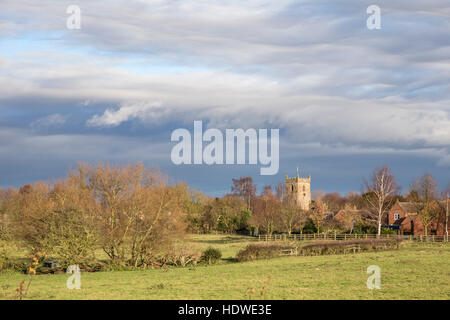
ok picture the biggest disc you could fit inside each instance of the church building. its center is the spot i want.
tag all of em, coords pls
(299, 189)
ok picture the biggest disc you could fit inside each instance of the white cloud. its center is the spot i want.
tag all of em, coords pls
(144, 111)
(53, 120)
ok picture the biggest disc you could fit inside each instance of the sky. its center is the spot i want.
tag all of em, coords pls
(345, 98)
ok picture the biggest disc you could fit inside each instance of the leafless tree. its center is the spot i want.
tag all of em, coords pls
(445, 195)
(244, 188)
(423, 192)
(319, 209)
(291, 216)
(280, 190)
(266, 213)
(380, 190)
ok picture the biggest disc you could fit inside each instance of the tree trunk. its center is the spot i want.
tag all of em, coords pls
(380, 213)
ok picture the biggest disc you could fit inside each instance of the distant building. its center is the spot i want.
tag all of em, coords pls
(299, 189)
(356, 214)
(406, 218)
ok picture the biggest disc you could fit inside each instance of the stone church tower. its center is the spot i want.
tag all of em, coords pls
(299, 189)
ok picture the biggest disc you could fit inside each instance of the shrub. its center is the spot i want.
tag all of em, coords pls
(180, 257)
(362, 227)
(264, 251)
(388, 231)
(211, 255)
(4, 232)
(309, 226)
(69, 238)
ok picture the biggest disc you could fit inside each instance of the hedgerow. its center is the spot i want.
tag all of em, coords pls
(264, 251)
(352, 246)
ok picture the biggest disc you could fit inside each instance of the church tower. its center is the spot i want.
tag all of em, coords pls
(299, 189)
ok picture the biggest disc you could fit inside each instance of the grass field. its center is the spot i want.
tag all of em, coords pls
(415, 271)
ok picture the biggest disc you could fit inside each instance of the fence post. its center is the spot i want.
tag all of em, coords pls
(345, 236)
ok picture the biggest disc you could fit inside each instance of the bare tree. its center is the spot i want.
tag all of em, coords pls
(266, 213)
(280, 190)
(291, 216)
(334, 201)
(319, 209)
(267, 191)
(244, 188)
(348, 218)
(445, 194)
(424, 192)
(380, 190)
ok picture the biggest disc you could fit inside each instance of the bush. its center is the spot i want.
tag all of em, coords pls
(4, 232)
(180, 257)
(388, 231)
(211, 255)
(362, 227)
(69, 238)
(339, 247)
(264, 251)
(309, 227)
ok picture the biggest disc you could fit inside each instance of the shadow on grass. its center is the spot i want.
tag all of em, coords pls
(230, 260)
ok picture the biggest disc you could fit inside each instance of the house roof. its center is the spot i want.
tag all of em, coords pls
(408, 207)
(355, 212)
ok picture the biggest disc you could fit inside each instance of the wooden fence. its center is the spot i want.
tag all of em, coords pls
(332, 236)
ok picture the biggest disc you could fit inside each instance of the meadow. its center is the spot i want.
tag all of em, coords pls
(415, 271)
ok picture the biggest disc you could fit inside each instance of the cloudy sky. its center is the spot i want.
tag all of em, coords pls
(345, 98)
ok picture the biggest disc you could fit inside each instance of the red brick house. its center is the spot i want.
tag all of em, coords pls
(406, 218)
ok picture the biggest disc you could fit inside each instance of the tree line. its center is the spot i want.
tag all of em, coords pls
(137, 218)
(273, 211)
(130, 212)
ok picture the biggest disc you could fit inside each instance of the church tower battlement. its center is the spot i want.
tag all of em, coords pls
(299, 189)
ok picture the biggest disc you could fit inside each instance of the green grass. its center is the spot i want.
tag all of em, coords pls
(416, 271)
(228, 244)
